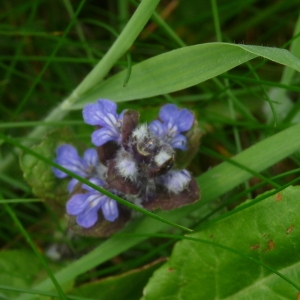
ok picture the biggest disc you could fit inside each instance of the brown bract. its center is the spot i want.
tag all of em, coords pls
(167, 201)
(130, 122)
(115, 181)
(102, 228)
(107, 152)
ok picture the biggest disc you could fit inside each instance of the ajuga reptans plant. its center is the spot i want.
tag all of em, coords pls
(131, 160)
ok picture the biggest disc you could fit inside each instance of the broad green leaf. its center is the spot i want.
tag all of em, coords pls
(180, 69)
(122, 287)
(39, 175)
(267, 231)
(18, 268)
(213, 184)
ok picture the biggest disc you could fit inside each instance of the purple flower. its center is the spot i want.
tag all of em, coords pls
(173, 122)
(86, 206)
(103, 114)
(175, 181)
(67, 157)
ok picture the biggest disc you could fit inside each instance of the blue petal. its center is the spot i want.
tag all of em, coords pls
(168, 113)
(66, 151)
(185, 120)
(179, 142)
(95, 200)
(158, 128)
(181, 118)
(64, 154)
(58, 173)
(121, 115)
(102, 113)
(104, 135)
(110, 210)
(96, 181)
(92, 114)
(107, 106)
(77, 204)
(77, 167)
(110, 121)
(68, 158)
(109, 113)
(72, 184)
(91, 157)
(88, 218)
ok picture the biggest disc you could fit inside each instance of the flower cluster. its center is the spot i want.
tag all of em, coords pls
(85, 205)
(131, 160)
(104, 115)
(172, 124)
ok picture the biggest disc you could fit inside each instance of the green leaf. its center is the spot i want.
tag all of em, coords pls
(122, 287)
(180, 69)
(18, 269)
(267, 231)
(39, 174)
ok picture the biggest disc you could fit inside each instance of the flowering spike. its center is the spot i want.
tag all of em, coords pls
(138, 163)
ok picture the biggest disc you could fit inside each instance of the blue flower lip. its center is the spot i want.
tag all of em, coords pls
(173, 122)
(103, 114)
